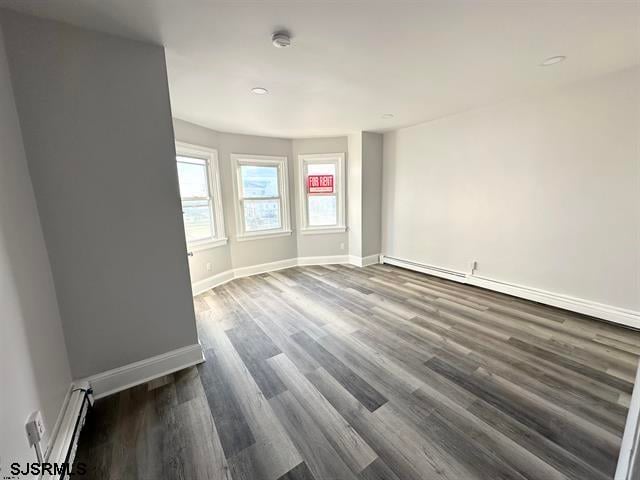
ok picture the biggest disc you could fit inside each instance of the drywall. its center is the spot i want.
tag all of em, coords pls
(96, 122)
(354, 194)
(34, 372)
(326, 243)
(542, 192)
(364, 193)
(251, 252)
(371, 193)
(219, 258)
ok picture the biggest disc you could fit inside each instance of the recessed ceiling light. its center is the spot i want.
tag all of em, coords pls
(553, 60)
(259, 91)
(386, 116)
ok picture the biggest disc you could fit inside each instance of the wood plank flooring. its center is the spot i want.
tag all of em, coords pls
(337, 372)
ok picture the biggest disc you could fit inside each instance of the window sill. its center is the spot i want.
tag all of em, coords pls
(322, 230)
(198, 247)
(261, 235)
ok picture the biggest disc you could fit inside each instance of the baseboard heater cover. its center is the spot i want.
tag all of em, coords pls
(62, 450)
(628, 318)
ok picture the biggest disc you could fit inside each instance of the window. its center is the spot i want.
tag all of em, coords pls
(321, 183)
(262, 208)
(199, 180)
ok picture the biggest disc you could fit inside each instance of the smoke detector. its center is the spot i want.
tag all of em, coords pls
(281, 40)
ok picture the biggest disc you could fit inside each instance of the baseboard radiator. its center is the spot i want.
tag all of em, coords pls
(62, 450)
(628, 318)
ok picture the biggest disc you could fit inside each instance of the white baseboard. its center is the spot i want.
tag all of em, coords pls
(264, 267)
(51, 436)
(610, 313)
(323, 260)
(127, 376)
(210, 282)
(364, 261)
(223, 277)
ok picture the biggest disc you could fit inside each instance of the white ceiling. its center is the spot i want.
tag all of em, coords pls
(352, 61)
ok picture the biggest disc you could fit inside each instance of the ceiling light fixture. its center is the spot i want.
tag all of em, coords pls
(281, 39)
(387, 116)
(553, 60)
(259, 91)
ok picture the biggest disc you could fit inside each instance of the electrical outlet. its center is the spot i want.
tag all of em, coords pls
(209, 267)
(35, 427)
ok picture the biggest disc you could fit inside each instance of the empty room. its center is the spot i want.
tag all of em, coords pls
(320, 240)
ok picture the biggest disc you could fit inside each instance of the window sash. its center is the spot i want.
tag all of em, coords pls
(244, 232)
(321, 225)
(243, 198)
(256, 164)
(337, 160)
(206, 157)
(187, 159)
(261, 200)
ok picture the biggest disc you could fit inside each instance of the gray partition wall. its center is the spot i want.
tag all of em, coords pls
(96, 122)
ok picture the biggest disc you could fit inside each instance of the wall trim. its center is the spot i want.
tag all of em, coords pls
(323, 260)
(57, 426)
(610, 313)
(127, 376)
(208, 283)
(264, 267)
(364, 261)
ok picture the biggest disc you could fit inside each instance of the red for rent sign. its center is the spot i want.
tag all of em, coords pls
(320, 183)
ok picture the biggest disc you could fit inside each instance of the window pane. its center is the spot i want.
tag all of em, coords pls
(261, 215)
(259, 181)
(322, 210)
(197, 220)
(321, 169)
(192, 178)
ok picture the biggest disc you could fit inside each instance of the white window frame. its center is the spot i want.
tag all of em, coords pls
(210, 156)
(339, 187)
(238, 160)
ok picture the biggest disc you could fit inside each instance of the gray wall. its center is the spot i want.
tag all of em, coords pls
(371, 193)
(354, 194)
(255, 252)
(34, 372)
(96, 123)
(364, 172)
(237, 254)
(542, 192)
(320, 244)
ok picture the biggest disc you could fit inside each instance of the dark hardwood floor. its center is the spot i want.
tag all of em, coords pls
(338, 372)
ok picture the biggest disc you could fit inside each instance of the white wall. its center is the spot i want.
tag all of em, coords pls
(542, 192)
(96, 122)
(34, 372)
